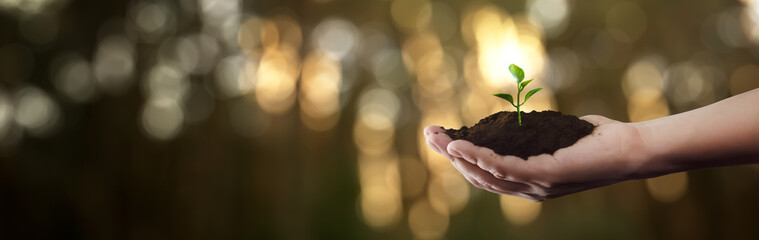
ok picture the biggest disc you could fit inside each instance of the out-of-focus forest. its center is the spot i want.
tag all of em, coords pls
(302, 119)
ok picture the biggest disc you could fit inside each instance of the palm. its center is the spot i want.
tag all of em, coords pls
(596, 160)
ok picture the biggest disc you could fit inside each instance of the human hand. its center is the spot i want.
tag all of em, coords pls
(614, 152)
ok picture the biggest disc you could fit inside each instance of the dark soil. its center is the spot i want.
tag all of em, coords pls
(541, 132)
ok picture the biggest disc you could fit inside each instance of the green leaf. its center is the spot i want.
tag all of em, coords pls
(524, 84)
(508, 97)
(530, 93)
(517, 72)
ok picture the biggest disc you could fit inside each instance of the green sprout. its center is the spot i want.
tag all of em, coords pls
(518, 73)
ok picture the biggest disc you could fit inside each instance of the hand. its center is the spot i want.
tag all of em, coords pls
(613, 153)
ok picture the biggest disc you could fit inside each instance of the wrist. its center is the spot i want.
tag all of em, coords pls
(651, 160)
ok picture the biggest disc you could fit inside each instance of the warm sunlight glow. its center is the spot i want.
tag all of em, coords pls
(519, 211)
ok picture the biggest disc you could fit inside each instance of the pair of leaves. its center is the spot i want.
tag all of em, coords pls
(509, 98)
(518, 73)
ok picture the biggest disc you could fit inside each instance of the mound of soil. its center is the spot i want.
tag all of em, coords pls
(541, 132)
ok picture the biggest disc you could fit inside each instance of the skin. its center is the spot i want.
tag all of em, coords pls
(721, 134)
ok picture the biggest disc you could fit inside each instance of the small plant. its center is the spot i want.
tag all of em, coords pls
(518, 73)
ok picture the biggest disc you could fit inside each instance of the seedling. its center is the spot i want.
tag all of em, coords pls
(518, 74)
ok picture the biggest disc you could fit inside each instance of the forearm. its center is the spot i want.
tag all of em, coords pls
(721, 134)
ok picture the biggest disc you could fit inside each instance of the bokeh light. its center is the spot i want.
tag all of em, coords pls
(692, 84)
(162, 118)
(276, 79)
(448, 192)
(152, 21)
(668, 188)
(729, 28)
(320, 91)
(6, 115)
(426, 222)
(643, 84)
(249, 33)
(36, 112)
(375, 127)
(167, 82)
(502, 40)
(749, 20)
(336, 37)
(552, 15)
(30, 7)
(647, 104)
(114, 64)
(418, 46)
(380, 196)
(646, 73)
(73, 78)
(221, 18)
(236, 75)
(519, 211)
(197, 53)
(436, 76)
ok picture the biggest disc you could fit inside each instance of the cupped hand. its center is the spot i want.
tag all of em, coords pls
(613, 153)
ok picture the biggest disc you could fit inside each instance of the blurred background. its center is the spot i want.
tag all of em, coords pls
(302, 119)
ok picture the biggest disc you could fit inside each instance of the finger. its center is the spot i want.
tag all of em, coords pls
(464, 172)
(438, 140)
(597, 120)
(433, 129)
(509, 168)
(496, 188)
(471, 180)
(485, 180)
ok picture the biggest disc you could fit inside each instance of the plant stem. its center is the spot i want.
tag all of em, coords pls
(519, 113)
